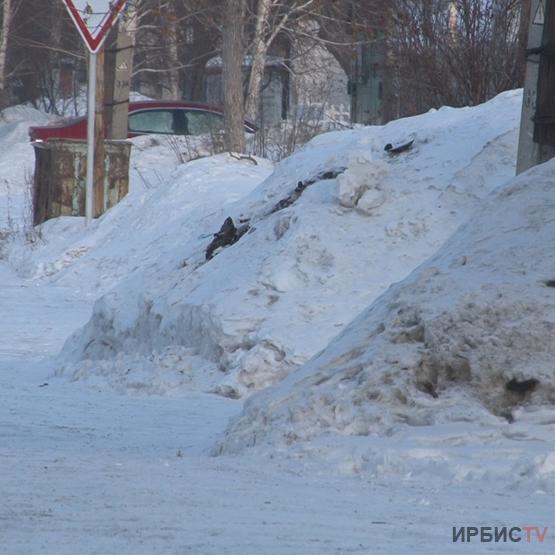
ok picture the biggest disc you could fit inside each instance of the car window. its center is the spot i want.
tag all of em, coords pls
(200, 123)
(152, 121)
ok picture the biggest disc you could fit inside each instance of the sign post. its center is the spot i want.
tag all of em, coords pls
(93, 19)
(530, 150)
(89, 187)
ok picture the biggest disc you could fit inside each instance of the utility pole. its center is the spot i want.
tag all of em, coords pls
(117, 64)
(537, 127)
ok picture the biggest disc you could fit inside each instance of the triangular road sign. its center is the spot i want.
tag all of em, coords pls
(94, 19)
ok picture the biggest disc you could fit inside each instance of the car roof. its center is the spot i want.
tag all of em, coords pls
(146, 104)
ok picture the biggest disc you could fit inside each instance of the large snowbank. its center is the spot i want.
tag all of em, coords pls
(455, 362)
(145, 235)
(310, 262)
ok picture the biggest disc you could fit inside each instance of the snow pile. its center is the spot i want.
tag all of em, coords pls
(459, 354)
(145, 235)
(326, 234)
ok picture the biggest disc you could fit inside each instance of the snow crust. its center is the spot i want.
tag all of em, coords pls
(262, 307)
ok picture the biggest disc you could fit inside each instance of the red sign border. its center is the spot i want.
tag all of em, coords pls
(94, 43)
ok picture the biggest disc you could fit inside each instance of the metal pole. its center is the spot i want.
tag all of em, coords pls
(89, 192)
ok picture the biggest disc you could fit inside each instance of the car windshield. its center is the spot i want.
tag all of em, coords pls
(152, 121)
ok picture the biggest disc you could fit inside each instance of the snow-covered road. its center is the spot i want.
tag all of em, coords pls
(93, 472)
(85, 471)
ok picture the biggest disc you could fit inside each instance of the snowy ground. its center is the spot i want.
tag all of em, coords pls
(86, 469)
(96, 473)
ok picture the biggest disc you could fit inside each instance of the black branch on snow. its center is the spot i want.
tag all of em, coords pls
(229, 233)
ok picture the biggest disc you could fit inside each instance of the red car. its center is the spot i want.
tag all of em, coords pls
(148, 117)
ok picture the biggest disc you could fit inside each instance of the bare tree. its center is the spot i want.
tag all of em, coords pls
(171, 42)
(455, 52)
(233, 52)
(272, 17)
(6, 23)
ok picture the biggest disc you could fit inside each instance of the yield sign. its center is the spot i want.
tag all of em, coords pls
(94, 19)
